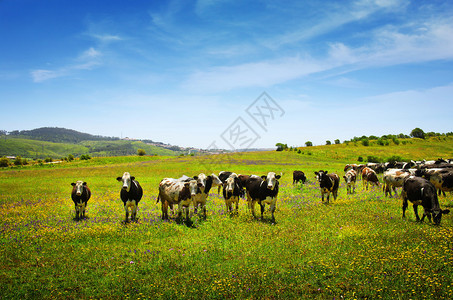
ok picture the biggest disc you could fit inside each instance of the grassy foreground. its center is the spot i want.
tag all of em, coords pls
(357, 247)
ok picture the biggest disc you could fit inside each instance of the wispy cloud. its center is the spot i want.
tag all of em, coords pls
(87, 60)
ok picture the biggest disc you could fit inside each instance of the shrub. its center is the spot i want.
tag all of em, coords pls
(365, 142)
(308, 144)
(395, 140)
(395, 158)
(48, 159)
(141, 152)
(4, 162)
(328, 142)
(18, 161)
(360, 159)
(337, 141)
(373, 159)
(85, 157)
(70, 157)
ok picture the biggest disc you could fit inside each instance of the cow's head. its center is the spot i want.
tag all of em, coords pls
(126, 180)
(231, 182)
(79, 187)
(320, 175)
(271, 180)
(193, 186)
(437, 215)
(201, 180)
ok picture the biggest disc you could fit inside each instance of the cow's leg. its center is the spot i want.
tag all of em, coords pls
(322, 196)
(327, 198)
(404, 207)
(164, 209)
(335, 194)
(203, 207)
(127, 212)
(252, 207)
(416, 212)
(262, 210)
(76, 208)
(134, 210)
(237, 204)
(272, 209)
(186, 210)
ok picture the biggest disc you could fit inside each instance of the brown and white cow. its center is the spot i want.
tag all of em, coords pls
(263, 190)
(173, 191)
(350, 178)
(328, 183)
(369, 176)
(392, 179)
(80, 195)
(131, 194)
(420, 191)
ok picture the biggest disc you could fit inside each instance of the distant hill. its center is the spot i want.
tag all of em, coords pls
(57, 142)
(59, 135)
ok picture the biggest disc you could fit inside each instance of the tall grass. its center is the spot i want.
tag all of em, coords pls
(357, 247)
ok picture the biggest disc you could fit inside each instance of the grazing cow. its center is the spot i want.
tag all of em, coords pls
(131, 194)
(80, 195)
(205, 184)
(376, 167)
(350, 177)
(420, 191)
(263, 190)
(299, 176)
(243, 179)
(392, 179)
(173, 191)
(232, 190)
(351, 167)
(328, 183)
(369, 176)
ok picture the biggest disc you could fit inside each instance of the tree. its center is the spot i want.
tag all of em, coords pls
(281, 146)
(337, 141)
(4, 162)
(328, 142)
(418, 133)
(365, 142)
(308, 144)
(141, 152)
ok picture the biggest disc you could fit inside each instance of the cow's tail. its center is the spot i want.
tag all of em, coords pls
(158, 199)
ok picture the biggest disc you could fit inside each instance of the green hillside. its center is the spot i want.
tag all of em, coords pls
(15, 146)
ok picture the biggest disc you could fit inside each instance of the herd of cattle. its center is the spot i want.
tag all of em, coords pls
(420, 183)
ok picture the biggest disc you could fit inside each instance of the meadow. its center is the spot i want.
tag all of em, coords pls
(357, 247)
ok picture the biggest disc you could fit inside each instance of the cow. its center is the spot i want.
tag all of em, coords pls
(80, 195)
(299, 176)
(392, 179)
(173, 191)
(420, 191)
(348, 167)
(376, 167)
(328, 183)
(263, 190)
(437, 176)
(369, 176)
(232, 190)
(131, 194)
(350, 178)
(243, 179)
(223, 175)
(205, 183)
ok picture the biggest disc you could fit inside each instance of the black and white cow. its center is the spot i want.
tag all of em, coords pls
(420, 191)
(263, 190)
(131, 194)
(328, 183)
(80, 195)
(223, 175)
(205, 183)
(299, 176)
(232, 190)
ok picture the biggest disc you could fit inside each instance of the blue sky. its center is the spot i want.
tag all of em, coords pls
(185, 72)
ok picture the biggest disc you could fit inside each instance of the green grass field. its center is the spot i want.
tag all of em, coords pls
(357, 247)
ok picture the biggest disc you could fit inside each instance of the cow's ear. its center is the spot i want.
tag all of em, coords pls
(195, 177)
(119, 178)
(445, 211)
(278, 176)
(84, 183)
(316, 173)
(326, 172)
(264, 177)
(132, 178)
(73, 184)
